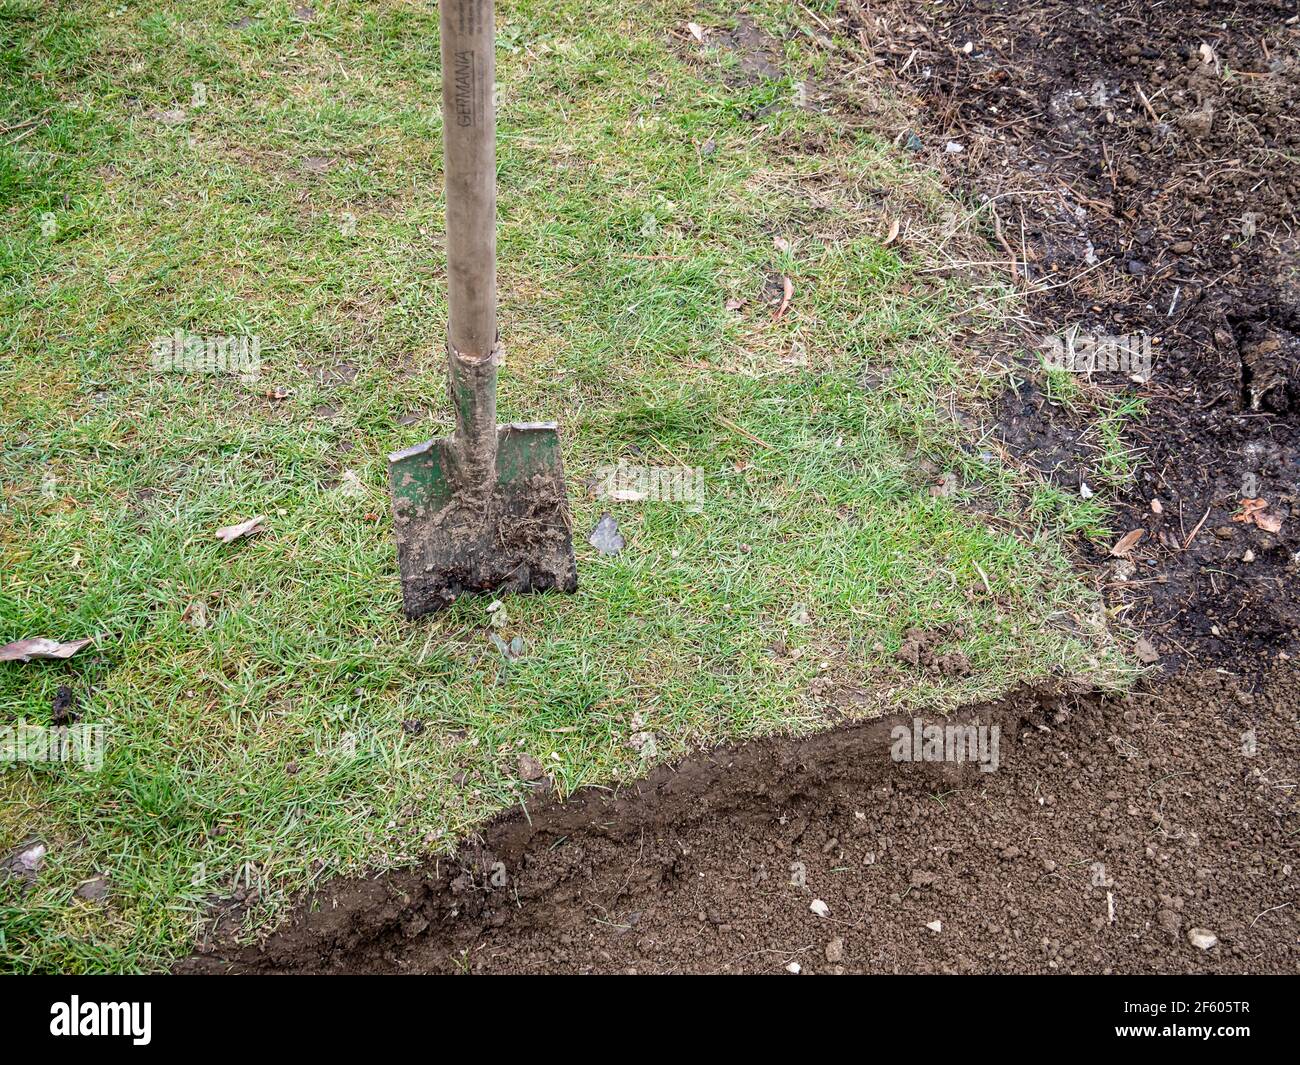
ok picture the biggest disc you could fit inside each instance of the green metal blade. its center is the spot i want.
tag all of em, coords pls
(516, 539)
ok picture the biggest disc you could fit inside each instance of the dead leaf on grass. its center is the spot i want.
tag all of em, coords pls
(195, 615)
(40, 647)
(780, 244)
(1127, 542)
(231, 533)
(894, 227)
(787, 294)
(697, 31)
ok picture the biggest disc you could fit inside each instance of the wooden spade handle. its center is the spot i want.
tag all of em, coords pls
(470, 161)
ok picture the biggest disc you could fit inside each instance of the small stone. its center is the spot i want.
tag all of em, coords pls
(645, 742)
(530, 768)
(26, 863)
(819, 908)
(794, 968)
(945, 487)
(605, 537)
(1202, 938)
(61, 709)
(835, 951)
(95, 889)
(934, 926)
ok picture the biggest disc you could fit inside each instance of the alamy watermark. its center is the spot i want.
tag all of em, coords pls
(133, 1020)
(626, 483)
(80, 743)
(183, 352)
(947, 743)
(1079, 352)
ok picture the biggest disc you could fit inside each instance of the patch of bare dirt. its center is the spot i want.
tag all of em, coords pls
(1108, 832)
(1136, 164)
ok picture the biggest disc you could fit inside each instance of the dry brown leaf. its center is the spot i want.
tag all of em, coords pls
(697, 31)
(196, 615)
(787, 293)
(1249, 507)
(40, 647)
(1256, 512)
(245, 528)
(1269, 522)
(1127, 542)
(894, 227)
(780, 244)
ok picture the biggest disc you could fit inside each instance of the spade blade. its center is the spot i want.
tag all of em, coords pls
(517, 538)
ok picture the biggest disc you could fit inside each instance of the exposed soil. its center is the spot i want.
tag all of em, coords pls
(1152, 804)
(1137, 163)
(1138, 184)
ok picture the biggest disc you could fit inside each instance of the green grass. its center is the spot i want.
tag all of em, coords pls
(641, 186)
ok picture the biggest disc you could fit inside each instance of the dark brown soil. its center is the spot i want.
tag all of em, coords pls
(1137, 163)
(1152, 803)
